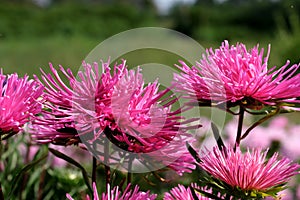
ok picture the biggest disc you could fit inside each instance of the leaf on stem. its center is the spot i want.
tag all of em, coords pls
(75, 163)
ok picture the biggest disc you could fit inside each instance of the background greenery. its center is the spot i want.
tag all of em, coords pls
(64, 32)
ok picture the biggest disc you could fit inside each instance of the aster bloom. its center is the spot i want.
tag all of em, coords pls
(250, 172)
(20, 100)
(70, 108)
(116, 194)
(233, 75)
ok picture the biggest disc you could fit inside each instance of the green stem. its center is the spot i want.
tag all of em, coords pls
(265, 118)
(129, 174)
(94, 170)
(106, 164)
(240, 126)
(1, 191)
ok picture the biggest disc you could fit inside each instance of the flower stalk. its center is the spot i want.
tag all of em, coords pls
(240, 126)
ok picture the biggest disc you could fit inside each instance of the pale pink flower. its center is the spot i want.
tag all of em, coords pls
(261, 136)
(236, 76)
(280, 129)
(290, 145)
(282, 195)
(116, 194)
(249, 171)
(20, 101)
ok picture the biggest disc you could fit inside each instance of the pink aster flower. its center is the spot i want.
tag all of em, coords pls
(70, 108)
(236, 76)
(250, 171)
(20, 100)
(116, 194)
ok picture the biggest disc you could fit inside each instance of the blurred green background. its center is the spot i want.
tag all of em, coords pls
(36, 32)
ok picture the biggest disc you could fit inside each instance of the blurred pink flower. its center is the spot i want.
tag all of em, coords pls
(236, 76)
(282, 195)
(279, 129)
(20, 100)
(250, 171)
(116, 194)
(261, 136)
(290, 145)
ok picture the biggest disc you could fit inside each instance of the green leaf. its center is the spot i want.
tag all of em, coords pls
(217, 136)
(193, 152)
(25, 169)
(75, 163)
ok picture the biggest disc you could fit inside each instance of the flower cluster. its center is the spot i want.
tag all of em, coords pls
(127, 123)
(233, 76)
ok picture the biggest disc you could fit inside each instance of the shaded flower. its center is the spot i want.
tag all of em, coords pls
(142, 121)
(251, 171)
(236, 76)
(117, 106)
(20, 100)
(116, 194)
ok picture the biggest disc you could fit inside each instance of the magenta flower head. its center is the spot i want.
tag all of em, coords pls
(20, 100)
(69, 110)
(250, 172)
(232, 75)
(116, 194)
